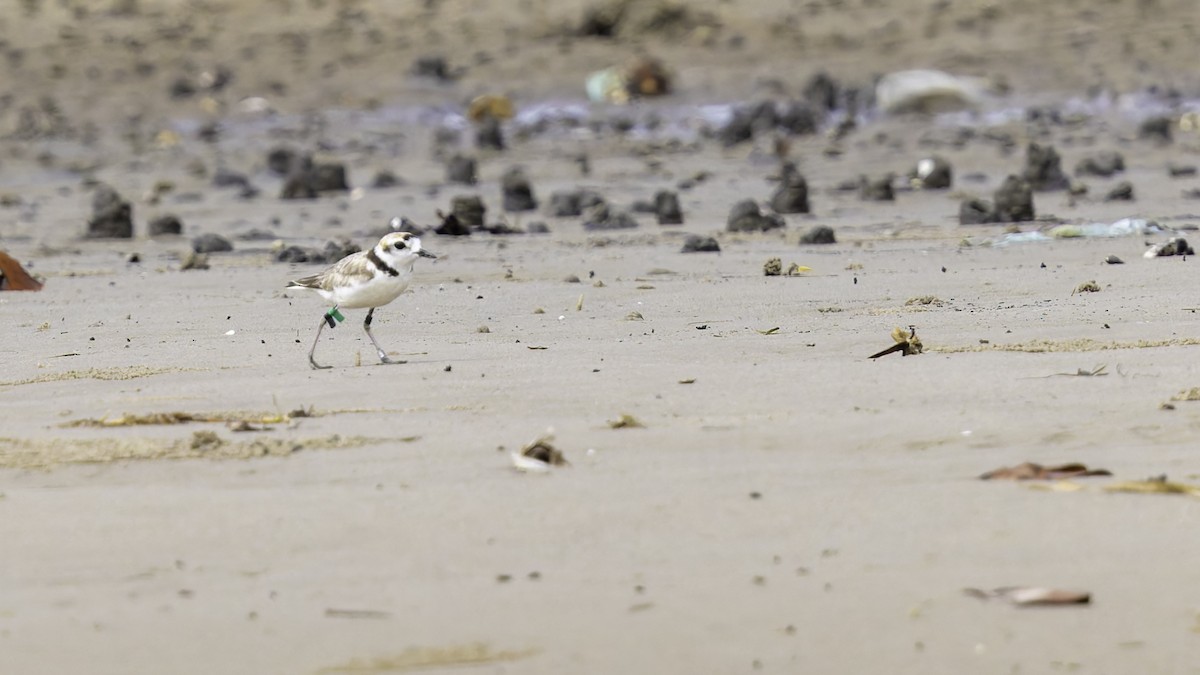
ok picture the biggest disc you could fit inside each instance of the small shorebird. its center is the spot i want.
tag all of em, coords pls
(365, 279)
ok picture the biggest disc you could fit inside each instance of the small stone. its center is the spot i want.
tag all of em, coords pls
(517, 191)
(461, 169)
(434, 67)
(601, 217)
(166, 224)
(489, 135)
(976, 212)
(451, 226)
(746, 216)
(1121, 192)
(698, 244)
(747, 121)
(666, 208)
(1156, 129)
(1043, 169)
(211, 243)
(1181, 170)
(280, 160)
(773, 267)
(194, 261)
(821, 234)
(469, 209)
(1114, 260)
(799, 118)
(1103, 164)
(1014, 201)
(792, 194)
(877, 190)
(112, 215)
(822, 91)
(385, 179)
(570, 203)
(227, 178)
(330, 177)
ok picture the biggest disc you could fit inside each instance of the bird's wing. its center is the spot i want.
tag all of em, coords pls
(351, 269)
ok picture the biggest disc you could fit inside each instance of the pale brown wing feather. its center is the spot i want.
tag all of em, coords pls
(349, 269)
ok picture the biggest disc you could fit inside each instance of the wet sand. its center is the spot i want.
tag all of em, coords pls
(787, 505)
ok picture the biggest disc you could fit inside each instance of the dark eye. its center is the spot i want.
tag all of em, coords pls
(399, 244)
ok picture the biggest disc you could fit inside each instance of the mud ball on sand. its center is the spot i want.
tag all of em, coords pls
(307, 179)
(1043, 169)
(386, 179)
(451, 226)
(877, 190)
(518, 193)
(747, 121)
(227, 178)
(211, 243)
(822, 91)
(166, 224)
(112, 215)
(332, 252)
(280, 160)
(792, 194)
(571, 203)
(698, 244)
(469, 210)
(1121, 192)
(461, 169)
(434, 67)
(821, 234)
(799, 118)
(601, 217)
(1156, 129)
(933, 173)
(489, 136)
(1014, 201)
(773, 267)
(746, 216)
(666, 208)
(1103, 164)
(976, 212)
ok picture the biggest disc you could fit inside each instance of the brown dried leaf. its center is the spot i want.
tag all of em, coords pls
(1032, 471)
(1032, 596)
(13, 277)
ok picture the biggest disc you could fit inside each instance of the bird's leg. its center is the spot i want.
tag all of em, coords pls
(383, 357)
(326, 318)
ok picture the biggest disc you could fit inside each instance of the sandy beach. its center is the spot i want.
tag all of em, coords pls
(747, 491)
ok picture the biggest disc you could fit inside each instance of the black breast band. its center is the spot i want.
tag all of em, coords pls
(380, 265)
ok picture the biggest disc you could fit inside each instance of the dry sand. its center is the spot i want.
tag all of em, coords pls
(788, 504)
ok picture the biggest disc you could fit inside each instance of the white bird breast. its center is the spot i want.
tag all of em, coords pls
(377, 292)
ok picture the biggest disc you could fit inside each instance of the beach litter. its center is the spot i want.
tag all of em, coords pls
(907, 343)
(1032, 596)
(1033, 471)
(928, 91)
(639, 78)
(1158, 485)
(1122, 228)
(1172, 246)
(626, 422)
(539, 455)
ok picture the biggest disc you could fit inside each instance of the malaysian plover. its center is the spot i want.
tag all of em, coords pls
(365, 279)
